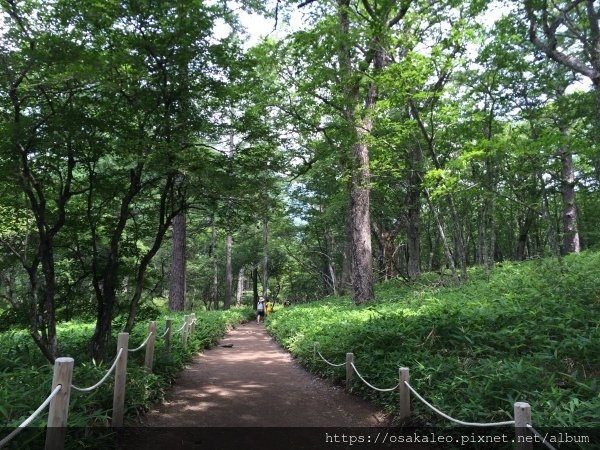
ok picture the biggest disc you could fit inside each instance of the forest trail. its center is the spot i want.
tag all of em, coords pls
(253, 383)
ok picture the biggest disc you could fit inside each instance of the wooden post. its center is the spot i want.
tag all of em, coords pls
(59, 405)
(349, 370)
(168, 336)
(120, 379)
(404, 375)
(523, 437)
(149, 360)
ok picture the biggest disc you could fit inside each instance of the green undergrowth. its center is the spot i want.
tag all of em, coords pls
(25, 378)
(528, 332)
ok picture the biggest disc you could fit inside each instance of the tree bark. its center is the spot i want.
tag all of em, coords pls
(570, 233)
(547, 214)
(228, 271)
(442, 236)
(346, 281)
(214, 291)
(359, 190)
(524, 227)
(177, 283)
(240, 287)
(362, 255)
(255, 286)
(413, 200)
(265, 262)
(385, 240)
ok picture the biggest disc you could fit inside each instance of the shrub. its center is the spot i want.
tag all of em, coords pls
(530, 333)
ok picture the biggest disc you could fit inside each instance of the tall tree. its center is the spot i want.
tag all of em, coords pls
(568, 32)
(177, 284)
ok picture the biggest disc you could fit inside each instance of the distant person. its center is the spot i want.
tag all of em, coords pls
(270, 307)
(260, 309)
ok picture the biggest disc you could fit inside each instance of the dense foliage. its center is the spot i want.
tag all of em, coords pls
(528, 333)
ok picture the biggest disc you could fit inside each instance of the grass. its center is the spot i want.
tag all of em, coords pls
(25, 378)
(529, 333)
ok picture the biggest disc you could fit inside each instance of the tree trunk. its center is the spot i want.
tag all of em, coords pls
(164, 222)
(105, 281)
(359, 192)
(177, 283)
(362, 255)
(524, 227)
(228, 271)
(385, 241)
(413, 242)
(329, 251)
(214, 291)
(414, 214)
(442, 236)
(570, 233)
(255, 286)
(346, 281)
(547, 214)
(459, 243)
(265, 263)
(240, 287)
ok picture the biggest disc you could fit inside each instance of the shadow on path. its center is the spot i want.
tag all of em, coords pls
(251, 395)
(255, 383)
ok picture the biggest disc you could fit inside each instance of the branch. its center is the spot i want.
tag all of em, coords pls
(14, 251)
(305, 3)
(369, 9)
(398, 17)
(549, 47)
(329, 103)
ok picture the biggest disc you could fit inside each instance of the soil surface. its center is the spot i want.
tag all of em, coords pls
(248, 382)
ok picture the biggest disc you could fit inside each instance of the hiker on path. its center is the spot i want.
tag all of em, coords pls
(260, 309)
(270, 307)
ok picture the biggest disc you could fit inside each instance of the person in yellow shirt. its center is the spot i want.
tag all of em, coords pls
(270, 307)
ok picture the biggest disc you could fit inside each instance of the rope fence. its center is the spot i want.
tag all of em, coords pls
(63, 373)
(165, 333)
(103, 379)
(542, 438)
(137, 349)
(370, 385)
(31, 418)
(522, 410)
(451, 419)
(323, 358)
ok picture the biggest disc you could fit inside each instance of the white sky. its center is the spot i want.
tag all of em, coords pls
(259, 27)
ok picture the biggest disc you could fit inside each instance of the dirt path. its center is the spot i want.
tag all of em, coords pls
(254, 383)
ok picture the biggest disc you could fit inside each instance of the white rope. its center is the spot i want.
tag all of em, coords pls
(165, 333)
(460, 422)
(534, 431)
(27, 421)
(331, 364)
(141, 346)
(182, 327)
(369, 384)
(91, 388)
